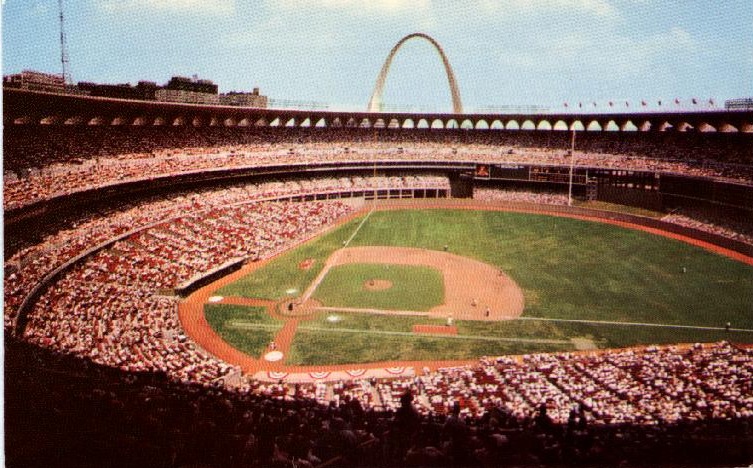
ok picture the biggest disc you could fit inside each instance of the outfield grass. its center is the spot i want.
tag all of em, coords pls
(330, 347)
(413, 287)
(567, 268)
(249, 329)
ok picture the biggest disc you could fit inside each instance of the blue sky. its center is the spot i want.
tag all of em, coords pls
(503, 52)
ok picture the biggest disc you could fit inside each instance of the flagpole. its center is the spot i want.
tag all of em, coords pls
(572, 157)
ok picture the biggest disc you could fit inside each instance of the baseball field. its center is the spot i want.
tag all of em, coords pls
(444, 284)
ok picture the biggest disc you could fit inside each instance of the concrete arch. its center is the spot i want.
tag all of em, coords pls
(528, 125)
(23, 120)
(497, 125)
(466, 124)
(594, 126)
(423, 123)
(512, 125)
(437, 123)
(629, 126)
(610, 126)
(706, 127)
(98, 120)
(408, 123)
(578, 126)
(560, 126)
(544, 125)
(452, 123)
(482, 125)
(727, 128)
(375, 103)
(51, 120)
(75, 120)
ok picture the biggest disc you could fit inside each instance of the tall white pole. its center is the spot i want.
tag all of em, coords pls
(572, 159)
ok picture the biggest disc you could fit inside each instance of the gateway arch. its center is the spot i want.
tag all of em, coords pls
(375, 103)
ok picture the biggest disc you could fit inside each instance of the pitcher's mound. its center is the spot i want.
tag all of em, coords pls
(377, 285)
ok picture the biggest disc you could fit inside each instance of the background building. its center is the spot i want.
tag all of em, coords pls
(36, 81)
(236, 98)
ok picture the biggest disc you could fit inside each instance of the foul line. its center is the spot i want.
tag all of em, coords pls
(347, 242)
(635, 324)
(307, 294)
(261, 326)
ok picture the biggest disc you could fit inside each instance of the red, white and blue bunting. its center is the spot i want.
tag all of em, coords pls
(277, 375)
(319, 375)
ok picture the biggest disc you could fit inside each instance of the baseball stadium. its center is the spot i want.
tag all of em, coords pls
(201, 285)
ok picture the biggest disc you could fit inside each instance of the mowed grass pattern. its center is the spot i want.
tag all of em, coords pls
(567, 268)
(413, 287)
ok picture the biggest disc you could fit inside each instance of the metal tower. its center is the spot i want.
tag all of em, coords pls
(63, 48)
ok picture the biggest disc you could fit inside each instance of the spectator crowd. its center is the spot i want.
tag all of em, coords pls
(40, 167)
(680, 406)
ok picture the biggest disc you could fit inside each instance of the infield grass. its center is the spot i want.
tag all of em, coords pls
(413, 287)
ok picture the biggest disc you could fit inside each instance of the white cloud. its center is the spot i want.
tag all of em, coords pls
(601, 8)
(199, 7)
(359, 6)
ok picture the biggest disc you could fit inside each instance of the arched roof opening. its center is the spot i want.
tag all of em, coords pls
(75, 120)
(594, 126)
(544, 125)
(578, 126)
(629, 126)
(560, 126)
